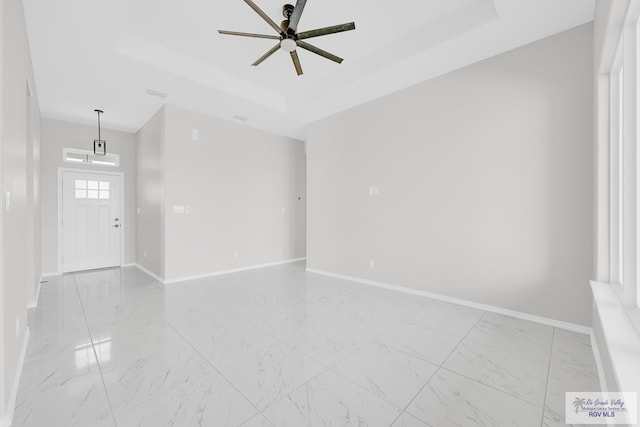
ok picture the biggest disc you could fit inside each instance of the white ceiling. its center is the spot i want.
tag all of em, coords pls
(89, 54)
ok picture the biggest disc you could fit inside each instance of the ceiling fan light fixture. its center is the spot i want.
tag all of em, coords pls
(288, 45)
(289, 39)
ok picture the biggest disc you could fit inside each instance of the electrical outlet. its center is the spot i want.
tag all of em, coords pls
(195, 134)
(372, 263)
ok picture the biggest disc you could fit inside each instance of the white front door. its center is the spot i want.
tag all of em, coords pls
(91, 221)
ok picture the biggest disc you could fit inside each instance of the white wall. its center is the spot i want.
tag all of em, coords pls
(34, 228)
(57, 135)
(150, 194)
(18, 152)
(3, 343)
(236, 180)
(485, 178)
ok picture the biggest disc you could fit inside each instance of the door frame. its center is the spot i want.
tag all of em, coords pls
(61, 171)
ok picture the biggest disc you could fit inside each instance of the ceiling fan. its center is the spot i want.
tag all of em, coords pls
(288, 36)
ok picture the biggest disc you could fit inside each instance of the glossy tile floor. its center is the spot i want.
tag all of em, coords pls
(281, 347)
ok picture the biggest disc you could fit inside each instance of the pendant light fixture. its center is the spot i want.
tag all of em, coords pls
(99, 145)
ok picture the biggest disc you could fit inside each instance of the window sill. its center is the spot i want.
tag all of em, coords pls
(632, 313)
(620, 335)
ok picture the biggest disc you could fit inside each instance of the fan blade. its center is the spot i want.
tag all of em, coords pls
(297, 13)
(259, 36)
(320, 52)
(296, 62)
(266, 55)
(327, 30)
(264, 16)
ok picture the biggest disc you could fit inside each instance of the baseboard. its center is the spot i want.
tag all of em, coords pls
(236, 270)
(484, 307)
(150, 273)
(34, 304)
(131, 264)
(8, 417)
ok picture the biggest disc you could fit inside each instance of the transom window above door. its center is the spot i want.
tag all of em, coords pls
(88, 189)
(72, 155)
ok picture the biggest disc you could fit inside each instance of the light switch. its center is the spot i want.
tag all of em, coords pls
(178, 209)
(371, 190)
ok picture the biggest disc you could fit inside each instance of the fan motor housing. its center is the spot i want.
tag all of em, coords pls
(287, 10)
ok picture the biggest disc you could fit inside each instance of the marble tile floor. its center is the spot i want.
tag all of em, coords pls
(282, 347)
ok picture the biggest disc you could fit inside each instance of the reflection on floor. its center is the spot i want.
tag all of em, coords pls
(281, 347)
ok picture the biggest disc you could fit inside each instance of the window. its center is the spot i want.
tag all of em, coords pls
(103, 190)
(97, 190)
(624, 170)
(616, 128)
(72, 155)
